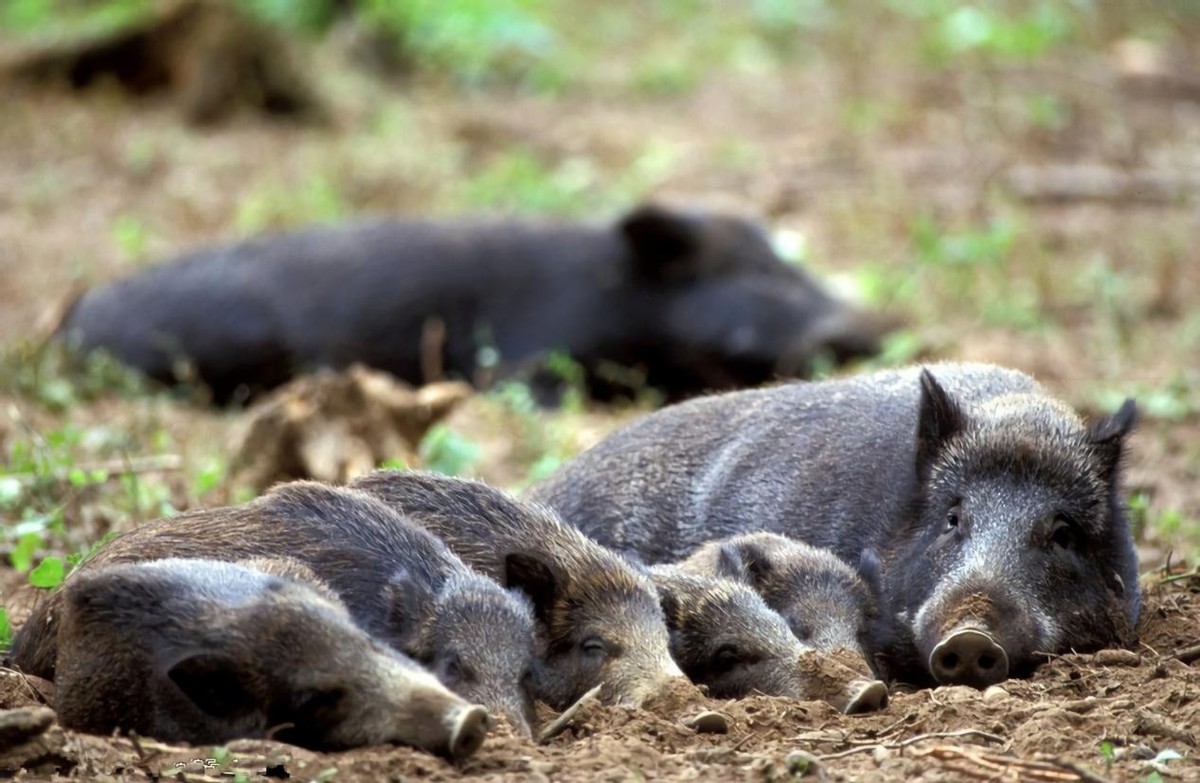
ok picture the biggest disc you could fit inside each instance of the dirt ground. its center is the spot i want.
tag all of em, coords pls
(1097, 293)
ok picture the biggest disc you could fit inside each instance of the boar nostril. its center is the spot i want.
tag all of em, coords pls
(968, 657)
(470, 726)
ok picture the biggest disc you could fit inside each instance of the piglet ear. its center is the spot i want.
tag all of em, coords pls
(662, 242)
(746, 562)
(536, 578)
(216, 684)
(729, 563)
(938, 420)
(1107, 435)
(870, 571)
(668, 599)
(408, 602)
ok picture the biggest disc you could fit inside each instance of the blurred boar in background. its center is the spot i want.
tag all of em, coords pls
(681, 302)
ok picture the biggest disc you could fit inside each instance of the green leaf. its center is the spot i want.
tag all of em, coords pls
(5, 628)
(22, 554)
(49, 573)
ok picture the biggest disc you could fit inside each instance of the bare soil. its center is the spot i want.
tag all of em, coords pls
(92, 186)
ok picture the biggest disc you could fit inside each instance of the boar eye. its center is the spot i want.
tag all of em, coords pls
(454, 670)
(1062, 534)
(726, 657)
(953, 517)
(594, 647)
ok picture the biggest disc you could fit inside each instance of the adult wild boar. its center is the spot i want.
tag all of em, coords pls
(399, 583)
(995, 510)
(598, 618)
(203, 651)
(690, 302)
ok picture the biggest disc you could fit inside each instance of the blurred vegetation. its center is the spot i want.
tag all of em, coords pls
(990, 263)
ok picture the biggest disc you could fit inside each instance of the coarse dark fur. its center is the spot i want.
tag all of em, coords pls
(826, 603)
(681, 302)
(202, 651)
(990, 503)
(401, 584)
(598, 618)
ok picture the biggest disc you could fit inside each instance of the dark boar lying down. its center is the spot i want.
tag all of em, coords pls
(400, 584)
(995, 510)
(690, 302)
(202, 651)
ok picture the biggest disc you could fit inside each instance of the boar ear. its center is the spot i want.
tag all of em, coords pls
(408, 600)
(871, 573)
(729, 562)
(938, 420)
(662, 242)
(668, 599)
(744, 562)
(216, 684)
(535, 578)
(1107, 435)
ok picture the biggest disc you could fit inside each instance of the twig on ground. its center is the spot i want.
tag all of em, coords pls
(556, 726)
(913, 740)
(984, 765)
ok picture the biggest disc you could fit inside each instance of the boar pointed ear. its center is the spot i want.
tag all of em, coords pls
(668, 599)
(535, 578)
(938, 420)
(729, 563)
(744, 562)
(871, 573)
(408, 600)
(662, 242)
(1107, 435)
(216, 684)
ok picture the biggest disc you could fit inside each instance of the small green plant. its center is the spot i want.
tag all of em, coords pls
(5, 630)
(519, 180)
(476, 42)
(209, 476)
(1108, 753)
(59, 378)
(318, 199)
(49, 573)
(393, 464)
(443, 450)
(130, 235)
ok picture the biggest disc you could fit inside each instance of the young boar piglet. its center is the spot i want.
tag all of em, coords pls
(204, 651)
(827, 604)
(598, 618)
(995, 509)
(725, 637)
(399, 583)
